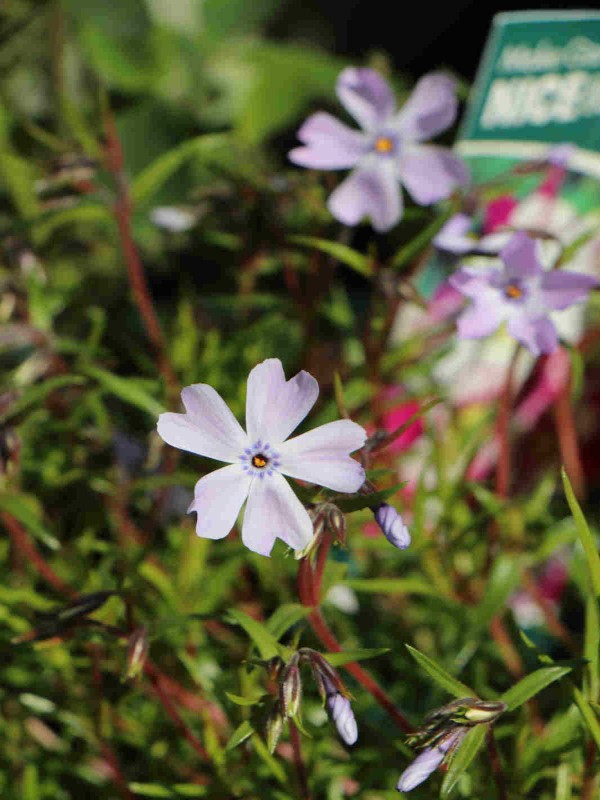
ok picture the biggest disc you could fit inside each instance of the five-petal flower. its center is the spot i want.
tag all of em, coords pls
(389, 148)
(260, 457)
(520, 293)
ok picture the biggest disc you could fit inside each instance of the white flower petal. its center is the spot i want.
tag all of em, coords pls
(274, 406)
(208, 428)
(218, 498)
(321, 456)
(273, 510)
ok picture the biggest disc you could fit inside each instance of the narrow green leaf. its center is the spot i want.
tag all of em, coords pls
(346, 255)
(360, 501)
(240, 734)
(272, 764)
(150, 790)
(588, 715)
(463, 757)
(35, 395)
(30, 787)
(591, 647)
(284, 617)
(348, 656)
(563, 782)
(439, 675)
(244, 701)
(26, 511)
(587, 540)
(264, 640)
(504, 578)
(149, 180)
(126, 389)
(411, 250)
(531, 685)
(392, 586)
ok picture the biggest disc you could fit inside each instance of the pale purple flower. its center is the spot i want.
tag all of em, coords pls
(394, 529)
(428, 761)
(456, 237)
(520, 293)
(388, 150)
(259, 458)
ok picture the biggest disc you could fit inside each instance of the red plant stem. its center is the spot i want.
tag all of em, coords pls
(567, 439)
(299, 762)
(590, 775)
(172, 712)
(24, 544)
(496, 764)
(326, 637)
(135, 270)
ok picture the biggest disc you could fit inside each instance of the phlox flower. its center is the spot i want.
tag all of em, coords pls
(388, 150)
(520, 293)
(259, 457)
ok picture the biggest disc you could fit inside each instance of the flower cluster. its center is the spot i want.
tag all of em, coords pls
(388, 151)
(333, 693)
(442, 733)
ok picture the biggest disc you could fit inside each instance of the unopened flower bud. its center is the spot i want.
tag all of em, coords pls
(340, 711)
(290, 690)
(428, 761)
(137, 652)
(390, 522)
(327, 680)
(336, 522)
(485, 711)
(273, 667)
(274, 728)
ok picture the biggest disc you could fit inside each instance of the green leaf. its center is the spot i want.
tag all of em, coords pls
(503, 580)
(264, 640)
(146, 184)
(463, 757)
(392, 586)
(240, 734)
(587, 540)
(348, 656)
(346, 255)
(531, 685)
(411, 250)
(35, 395)
(591, 648)
(125, 389)
(359, 501)
(244, 701)
(150, 790)
(588, 715)
(439, 675)
(284, 617)
(25, 509)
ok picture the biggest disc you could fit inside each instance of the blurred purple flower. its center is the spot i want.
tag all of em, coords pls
(394, 529)
(387, 150)
(260, 458)
(428, 761)
(455, 237)
(520, 293)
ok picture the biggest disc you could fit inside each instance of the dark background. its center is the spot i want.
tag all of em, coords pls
(417, 35)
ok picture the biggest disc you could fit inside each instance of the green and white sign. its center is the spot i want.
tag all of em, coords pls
(538, 85)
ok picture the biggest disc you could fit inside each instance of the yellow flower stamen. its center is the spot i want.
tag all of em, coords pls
(259, 461)
(384, 144)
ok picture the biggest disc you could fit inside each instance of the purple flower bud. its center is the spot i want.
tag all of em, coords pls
(427, 762)
(390, 522)
(340, 711)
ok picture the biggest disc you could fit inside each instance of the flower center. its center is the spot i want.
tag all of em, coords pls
(383, 144)
(513, 292)
(259, 459)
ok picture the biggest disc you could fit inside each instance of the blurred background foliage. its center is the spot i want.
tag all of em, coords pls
(205, 98)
